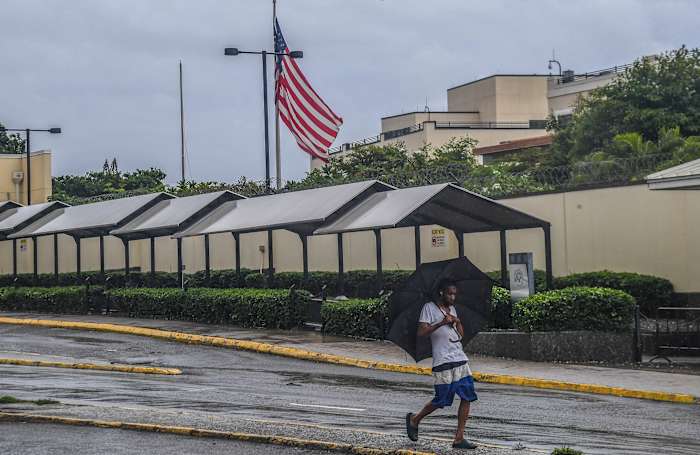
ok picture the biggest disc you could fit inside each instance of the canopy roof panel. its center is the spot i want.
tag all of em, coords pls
(299, 211)
(91, 220)
(446, 205)
(171, 215)
(684, 176)
(7, 205)
(19, 217)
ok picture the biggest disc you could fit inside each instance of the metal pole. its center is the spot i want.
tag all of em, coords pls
(55, 256)
(14, 257)
(207, 258)
(77, 255)
(179, 261)
(126, 256)
(270, 259)
(637, 336)
(341, 264)
(504, 260)
(278, 156)
(182, 129)
(236, 239)
(35, 247)
(153, 256)
(378, 246)
(548, 254)
(102, 255)
(267, 134)
(29, 170)
(305, 255)
(416, 240)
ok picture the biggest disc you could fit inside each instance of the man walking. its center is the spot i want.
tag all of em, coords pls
(451, 372)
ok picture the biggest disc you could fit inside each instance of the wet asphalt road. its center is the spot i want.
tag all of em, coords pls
(46, 439)
(223, 383)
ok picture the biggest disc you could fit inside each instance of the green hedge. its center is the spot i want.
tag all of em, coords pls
(271, 308)
(66, 299)
(576, 308)
(501, 308)
(365, 318)
(649, 291)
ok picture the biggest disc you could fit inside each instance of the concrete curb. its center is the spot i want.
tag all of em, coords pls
(189, 431)
(91, 366)
(301, 354)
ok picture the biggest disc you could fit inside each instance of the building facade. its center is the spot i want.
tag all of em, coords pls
(493, 111)
(13, 177)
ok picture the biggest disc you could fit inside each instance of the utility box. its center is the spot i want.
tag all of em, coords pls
(522, 275)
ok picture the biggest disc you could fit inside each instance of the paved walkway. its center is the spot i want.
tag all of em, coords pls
(628, 378)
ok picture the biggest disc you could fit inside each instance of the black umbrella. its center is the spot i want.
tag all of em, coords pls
(473, 303)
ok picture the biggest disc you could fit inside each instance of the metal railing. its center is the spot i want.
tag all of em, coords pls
(483, 125)
(402, 131)
(677, 331)
(566, 79)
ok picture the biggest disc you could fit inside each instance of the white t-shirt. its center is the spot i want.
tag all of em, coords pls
(444, 350)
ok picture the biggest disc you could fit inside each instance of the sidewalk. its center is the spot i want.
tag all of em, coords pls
(677, 383)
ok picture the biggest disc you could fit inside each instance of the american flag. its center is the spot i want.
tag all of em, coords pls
(313, 124)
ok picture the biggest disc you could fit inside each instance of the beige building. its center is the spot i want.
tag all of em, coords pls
(494, 110)
(13, 177)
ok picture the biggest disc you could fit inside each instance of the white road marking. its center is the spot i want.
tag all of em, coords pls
(326, 407)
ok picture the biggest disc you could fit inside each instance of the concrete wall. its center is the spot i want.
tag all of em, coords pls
(41, 177)
(397, 122)
(630, 229)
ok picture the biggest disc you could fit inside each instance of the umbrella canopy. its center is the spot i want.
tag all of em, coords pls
(473, 303)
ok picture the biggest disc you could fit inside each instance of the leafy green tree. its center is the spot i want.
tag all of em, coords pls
(242, 186)
(652, 96)
(10, 143)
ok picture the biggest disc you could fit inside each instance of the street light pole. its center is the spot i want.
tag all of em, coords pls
(27, 148)
(293, 54)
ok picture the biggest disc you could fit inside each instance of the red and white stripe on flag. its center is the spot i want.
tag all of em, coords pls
(312, 123)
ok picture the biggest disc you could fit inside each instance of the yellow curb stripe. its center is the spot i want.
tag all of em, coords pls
(301, 354)
(91, 366)
(202, 433)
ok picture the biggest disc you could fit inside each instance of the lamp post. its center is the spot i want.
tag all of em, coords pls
(233, 51)
(27, 147)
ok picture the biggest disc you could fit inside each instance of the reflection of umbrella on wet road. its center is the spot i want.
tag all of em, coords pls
(473, 303)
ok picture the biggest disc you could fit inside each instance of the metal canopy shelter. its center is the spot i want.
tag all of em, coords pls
(14, 217)
(88, 220)
(446, 205)
(685, 176)
(300, 212)
(169, 216)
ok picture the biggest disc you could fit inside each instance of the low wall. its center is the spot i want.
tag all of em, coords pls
(570, 346)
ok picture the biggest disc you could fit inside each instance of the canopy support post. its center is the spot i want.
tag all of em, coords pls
(341, 264)
(207, 257)
(305, 255)
(102, 255)
(548, 254)
(126, 256)
(14, 258)
(179, 262)
(36, 256)
(55, 256)
(416, 240)
(236, 240)
(460, 243)
(270, 259)
(378, 246)
(78, 268)
(504, 260)
(152, 241)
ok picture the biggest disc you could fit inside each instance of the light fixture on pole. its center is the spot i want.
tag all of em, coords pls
(233, 51)
(27, 147)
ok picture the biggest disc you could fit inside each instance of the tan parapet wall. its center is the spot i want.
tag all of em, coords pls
(41, 176)
(629, 228)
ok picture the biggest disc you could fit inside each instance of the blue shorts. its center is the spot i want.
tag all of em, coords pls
(453, 381)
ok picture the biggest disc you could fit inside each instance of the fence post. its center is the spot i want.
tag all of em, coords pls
(637, 336)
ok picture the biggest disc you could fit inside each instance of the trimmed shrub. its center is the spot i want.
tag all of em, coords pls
(501, 308)
(365, 318)
(566, 451)
(271, 308)
(649, 291)
(66, 299)
(576, 308)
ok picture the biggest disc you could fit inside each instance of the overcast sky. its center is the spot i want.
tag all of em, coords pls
(107, 71)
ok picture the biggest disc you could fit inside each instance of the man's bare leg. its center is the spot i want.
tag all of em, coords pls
(462, 416)
(428, 409)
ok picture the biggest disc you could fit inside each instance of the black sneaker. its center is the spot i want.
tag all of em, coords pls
(463, 444)
(411, 431)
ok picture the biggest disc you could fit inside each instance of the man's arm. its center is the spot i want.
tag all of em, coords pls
(425, 329)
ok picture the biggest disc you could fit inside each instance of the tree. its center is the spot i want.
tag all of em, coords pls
(108, 181)
(10, 143)
(653, 95)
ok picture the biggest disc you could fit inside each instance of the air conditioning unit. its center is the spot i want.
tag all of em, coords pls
(567, 76)
(17, 176)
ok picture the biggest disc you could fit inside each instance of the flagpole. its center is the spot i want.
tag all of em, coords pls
(182, 131)
(278, 157)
